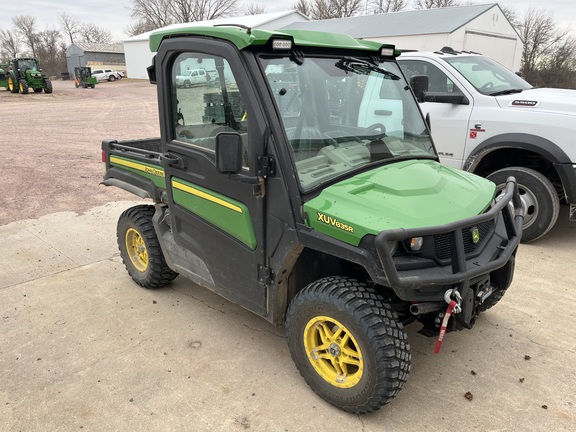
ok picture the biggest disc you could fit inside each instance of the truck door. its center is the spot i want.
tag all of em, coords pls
(449, 121)
(217, 222)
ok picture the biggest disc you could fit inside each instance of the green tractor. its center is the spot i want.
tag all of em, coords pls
(25, 74)
(4, 74)
(83, 77)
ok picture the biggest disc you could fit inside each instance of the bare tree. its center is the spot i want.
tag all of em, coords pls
(511, 14)
(9, 44)
(540, 34)
(70, 25)
(433, 4)
(254, 9)
(156, 13)
(212, 9)
(327, 9)
(26, 28)
(304, 7)
(91, 33)
(385, 6)
(152, 14)
(139, 27)
(52, 51)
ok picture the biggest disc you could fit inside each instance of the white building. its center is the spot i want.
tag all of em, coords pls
(139, 57)
(480, 28)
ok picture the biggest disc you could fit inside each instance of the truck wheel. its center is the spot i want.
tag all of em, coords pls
(348, 344)
(539, 198)
(23, 86)
(140, 249)
(47, 86)
(187, 84)
(111, 78)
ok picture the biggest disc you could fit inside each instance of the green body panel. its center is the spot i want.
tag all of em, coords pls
(242, 39)
(231, 216)
(409, 194)
(152, 172)
(35, 80)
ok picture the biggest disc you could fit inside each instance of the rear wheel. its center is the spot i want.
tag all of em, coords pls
(539, 199)
(111, 78)
(348, 344)
(23, 86)
(140, 249)
(12, 86)
(47, 86)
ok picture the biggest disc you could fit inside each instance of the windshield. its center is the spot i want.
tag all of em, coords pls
(27, 64)
(487, 76)
(342, 114)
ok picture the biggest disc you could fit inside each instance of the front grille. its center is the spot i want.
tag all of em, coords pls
(442, 241)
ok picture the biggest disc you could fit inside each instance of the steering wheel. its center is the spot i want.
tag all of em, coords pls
(488, 85)
(378, 130)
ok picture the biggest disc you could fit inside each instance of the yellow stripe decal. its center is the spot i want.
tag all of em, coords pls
(140, 167)
(206, 196)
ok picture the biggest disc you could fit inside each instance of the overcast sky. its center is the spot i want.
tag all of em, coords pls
(114, 15)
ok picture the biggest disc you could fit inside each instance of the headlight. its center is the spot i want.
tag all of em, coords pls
(416, 243)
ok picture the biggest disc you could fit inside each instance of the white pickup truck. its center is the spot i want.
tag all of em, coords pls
(487, 120)
(107, 74)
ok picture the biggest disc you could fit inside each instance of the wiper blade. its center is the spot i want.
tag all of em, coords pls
(505, 92)
(362, 67)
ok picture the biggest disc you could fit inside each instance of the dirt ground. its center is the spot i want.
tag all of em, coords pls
(51, 154)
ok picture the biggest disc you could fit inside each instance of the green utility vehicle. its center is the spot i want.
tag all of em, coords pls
(273, 188)
(25, 74)
(83, 77)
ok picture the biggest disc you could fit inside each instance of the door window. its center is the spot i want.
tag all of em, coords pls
(438, 81)
(208, 104)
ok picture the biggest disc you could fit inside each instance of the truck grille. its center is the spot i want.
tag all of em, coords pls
(442, 241)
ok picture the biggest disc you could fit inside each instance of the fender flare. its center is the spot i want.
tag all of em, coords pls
(533, 143)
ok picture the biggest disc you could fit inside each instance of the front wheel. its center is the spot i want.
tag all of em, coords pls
(23, 86)
(539, 199)
(47, 86)
(140, 249)
(348, 344)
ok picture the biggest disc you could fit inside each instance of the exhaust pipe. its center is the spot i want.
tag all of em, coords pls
(424, 308)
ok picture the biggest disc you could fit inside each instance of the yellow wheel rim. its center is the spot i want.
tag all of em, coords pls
(10, 84)
(21, 88)
(136, 249)
(333, 352)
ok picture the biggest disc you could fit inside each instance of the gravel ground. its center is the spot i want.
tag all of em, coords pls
(51, 155)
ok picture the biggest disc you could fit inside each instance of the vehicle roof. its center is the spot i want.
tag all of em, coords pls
(243, 37)
(445, 52)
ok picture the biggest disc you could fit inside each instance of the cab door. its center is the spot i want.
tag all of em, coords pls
(217, 222)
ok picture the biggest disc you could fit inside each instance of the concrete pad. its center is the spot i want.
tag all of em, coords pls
(83, 347)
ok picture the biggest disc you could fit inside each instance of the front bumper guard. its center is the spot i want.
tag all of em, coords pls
(462, 271)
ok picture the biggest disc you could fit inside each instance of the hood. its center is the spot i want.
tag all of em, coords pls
(560, 101)
(409, 194)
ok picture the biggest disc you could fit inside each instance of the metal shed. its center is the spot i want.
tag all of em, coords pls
(92, 54)
(480, 28)
(139, 57)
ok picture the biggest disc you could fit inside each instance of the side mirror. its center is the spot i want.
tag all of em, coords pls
(419, 84)
(228, 153)
(456, 98)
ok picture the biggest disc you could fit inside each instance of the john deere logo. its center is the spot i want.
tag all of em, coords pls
(475, 235)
